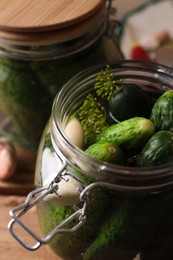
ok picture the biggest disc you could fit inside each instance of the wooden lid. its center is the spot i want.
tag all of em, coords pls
(51, 36)
(19, 17)
(42, 22)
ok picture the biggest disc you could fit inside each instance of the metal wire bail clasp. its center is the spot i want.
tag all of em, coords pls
(33, 198)
(110, 17)
(40, 194)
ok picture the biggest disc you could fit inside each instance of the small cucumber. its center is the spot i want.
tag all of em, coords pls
(158, 150)
(107, 152)
(130, 101)
(162, 112)
(130, 135)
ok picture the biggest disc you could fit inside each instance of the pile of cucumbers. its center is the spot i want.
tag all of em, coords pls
(143, 130)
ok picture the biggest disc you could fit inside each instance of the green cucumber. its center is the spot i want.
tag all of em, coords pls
(107, 152)
(110, 233)
(129, 101)
(130, 135)
(158, 150)
(131, 226)
(162, 112)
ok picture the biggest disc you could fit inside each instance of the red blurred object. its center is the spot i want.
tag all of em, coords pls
(138, 53)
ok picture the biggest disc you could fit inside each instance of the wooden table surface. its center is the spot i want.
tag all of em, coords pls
(10, 249)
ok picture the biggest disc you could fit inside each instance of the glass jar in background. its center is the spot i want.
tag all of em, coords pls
(89, 209)
(41, 49)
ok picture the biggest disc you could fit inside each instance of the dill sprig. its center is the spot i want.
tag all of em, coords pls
(106, 86)
(92, 116)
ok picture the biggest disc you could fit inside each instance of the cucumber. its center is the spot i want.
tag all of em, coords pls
(110, 233)
(158, 150)
(130, 135)
(129, 101)
(162, 112)
(107, 152)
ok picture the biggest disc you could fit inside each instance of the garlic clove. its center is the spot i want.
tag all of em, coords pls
(68, 191)
(8, 160)
(74, 132)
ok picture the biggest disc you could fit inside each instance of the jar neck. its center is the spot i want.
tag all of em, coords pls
(57, 50)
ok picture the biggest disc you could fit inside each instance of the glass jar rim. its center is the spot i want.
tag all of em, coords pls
(55, 50)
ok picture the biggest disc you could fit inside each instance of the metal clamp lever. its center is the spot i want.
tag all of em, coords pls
(20, 210)
(79, 213)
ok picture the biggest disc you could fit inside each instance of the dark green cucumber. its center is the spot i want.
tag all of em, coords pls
(107, 152)
(133, 225)
(130, 135)
(129, 101)
(158, 150)
(162, 112)
(111, 232)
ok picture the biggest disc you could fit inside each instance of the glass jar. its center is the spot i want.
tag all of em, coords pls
(89, 209)
(38, 55)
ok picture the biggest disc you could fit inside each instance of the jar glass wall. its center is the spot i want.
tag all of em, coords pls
(128, 209)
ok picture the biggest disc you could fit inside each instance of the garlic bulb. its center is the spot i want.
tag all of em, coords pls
(8, 160)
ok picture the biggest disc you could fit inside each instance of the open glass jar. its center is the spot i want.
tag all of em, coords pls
(41, 49)
(87, 208)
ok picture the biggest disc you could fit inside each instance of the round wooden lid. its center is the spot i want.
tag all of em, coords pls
(45, 15)
(51, 36)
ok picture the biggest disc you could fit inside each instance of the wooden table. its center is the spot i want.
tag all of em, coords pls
(10, 249)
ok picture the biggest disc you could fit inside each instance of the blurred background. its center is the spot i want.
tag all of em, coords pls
(124, 6)
(146, 24)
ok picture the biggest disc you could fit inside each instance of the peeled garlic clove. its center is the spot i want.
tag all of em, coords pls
(68, 191)
(8, 160)
(74, 132)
